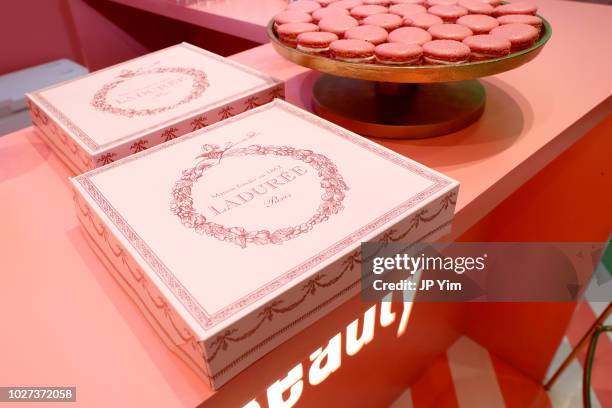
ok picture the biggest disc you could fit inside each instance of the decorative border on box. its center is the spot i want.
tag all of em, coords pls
(69, 151)
(139, 279)
(189, 125)
(317, 308)
(95, 147)
(223, 341)
(208, 320)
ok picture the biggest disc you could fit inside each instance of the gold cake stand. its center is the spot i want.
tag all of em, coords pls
(403, 102)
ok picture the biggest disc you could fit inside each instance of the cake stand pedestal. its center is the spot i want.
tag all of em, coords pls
(393, 110)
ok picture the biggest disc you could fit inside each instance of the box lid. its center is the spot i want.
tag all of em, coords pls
(225, 219)
(143, 95)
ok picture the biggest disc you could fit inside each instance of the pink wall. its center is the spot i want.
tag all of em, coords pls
(33, 32)
(110, 33)
(94, 33)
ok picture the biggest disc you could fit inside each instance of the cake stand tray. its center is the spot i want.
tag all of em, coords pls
(404, 102)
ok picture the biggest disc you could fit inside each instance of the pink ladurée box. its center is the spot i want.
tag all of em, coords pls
(94, 120)
(235, 237)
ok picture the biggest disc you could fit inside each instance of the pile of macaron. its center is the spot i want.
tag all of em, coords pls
(408, 32)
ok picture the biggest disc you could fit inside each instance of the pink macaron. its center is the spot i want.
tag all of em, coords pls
(321, 13)
(374, 34)
(445, 52)
(407, 1)
(325, 3)
(534, 21)
(431, 3)
(288, 33)
(449, 32)
(409, 35)
(486, 46)
(307, 6)
(516, 8)
(387, 21)
(477, 7)
(315, 42)
(346, 4)
(364, 11)
(521, 36)
(376, 2)
(424, 20)
(398, 54)
(406, 10)
(337, 24)
(291, 16)
(449, 14)
(478, 23)
(356, 51)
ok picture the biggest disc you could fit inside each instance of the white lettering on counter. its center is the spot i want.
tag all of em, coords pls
(326, 360)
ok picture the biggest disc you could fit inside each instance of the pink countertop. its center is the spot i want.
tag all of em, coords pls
(77, 327)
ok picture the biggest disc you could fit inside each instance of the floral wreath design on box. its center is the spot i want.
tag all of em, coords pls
(199, 85)
(182, 206)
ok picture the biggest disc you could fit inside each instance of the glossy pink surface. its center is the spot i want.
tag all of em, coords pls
(307, 6)
(398, 52)
(477, 7)
(410, 35)
(518, 34)
(292, 17)
(387, 21)
(316, 39)
(520, 19)
(448, 13)
(373, 34)
(377, 2)
(368, 10)
(479, 24)
(327, 12)
(449, 32)
(489, 44)
(352, 48)
(431, 3)
(346, 4)
(292, 30)
(424, 20)
(516, 8)
(406, 10)
(446, 50)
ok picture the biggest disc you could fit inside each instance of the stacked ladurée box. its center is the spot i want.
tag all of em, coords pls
(245, 230)
(235, 237)
(135, 105)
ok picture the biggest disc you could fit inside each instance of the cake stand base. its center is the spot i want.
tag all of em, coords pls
(395, 110)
